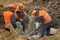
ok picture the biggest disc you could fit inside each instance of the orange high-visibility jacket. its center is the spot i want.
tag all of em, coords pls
(16, 16)
(7, 18)
(46, 16)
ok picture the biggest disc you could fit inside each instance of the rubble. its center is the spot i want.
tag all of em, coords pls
(51, 6)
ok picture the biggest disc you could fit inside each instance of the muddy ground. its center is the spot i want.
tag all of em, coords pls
(52, 6)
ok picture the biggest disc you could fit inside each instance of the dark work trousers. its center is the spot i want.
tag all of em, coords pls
(22, 22)
(45, 27)
(13, 21)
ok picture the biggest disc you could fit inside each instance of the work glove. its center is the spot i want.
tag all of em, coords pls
(37, 19)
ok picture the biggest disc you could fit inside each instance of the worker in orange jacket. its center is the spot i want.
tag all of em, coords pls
(45, 20)
(19, 14)
(9, 17)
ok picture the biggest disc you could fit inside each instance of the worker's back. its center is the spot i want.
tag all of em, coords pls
(46, 16)
(7, 17)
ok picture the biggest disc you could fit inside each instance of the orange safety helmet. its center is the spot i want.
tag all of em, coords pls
(21, 6)
(33, 12)
(12, 6)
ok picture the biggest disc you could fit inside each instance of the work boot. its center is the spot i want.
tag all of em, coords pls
(7, 29)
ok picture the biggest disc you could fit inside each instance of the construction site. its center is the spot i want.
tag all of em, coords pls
(51, 6)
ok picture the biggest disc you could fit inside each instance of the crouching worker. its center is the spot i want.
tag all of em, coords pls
(45, 20)
(19, 14)
(9, 17)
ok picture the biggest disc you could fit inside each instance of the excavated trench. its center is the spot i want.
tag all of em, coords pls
(52, 7)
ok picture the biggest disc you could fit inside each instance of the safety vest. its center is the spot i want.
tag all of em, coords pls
(46, 16)
(16, 16)
(7, 18)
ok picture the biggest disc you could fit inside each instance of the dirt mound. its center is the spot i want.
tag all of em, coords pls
(54, 37)
(12, 35)
(4, 35)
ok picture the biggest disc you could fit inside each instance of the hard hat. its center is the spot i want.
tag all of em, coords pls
(21, 5)
(33, 12)
(12, 5)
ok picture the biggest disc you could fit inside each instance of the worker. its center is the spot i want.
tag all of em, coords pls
(19, 14)
(9, 17)
(45, 20)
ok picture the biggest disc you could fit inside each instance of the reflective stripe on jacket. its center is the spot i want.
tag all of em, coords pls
(46, 16)
(7, 18)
